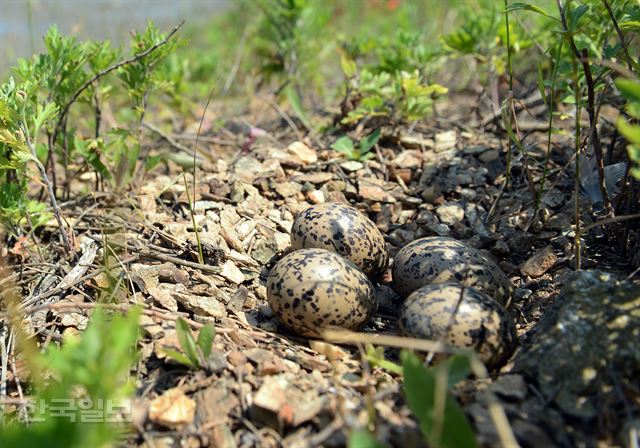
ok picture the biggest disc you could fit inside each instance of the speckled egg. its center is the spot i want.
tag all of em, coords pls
(313, 289)
(479, 323)
(439, 260)
(345, 230)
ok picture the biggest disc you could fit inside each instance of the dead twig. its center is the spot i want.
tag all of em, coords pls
(73, 307)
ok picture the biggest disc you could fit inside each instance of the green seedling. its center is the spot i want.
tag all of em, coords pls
(195, 351)
(77, 381)
(361, 151)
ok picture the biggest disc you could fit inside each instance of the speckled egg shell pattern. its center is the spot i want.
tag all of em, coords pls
(313, 289)
(479, 323)
(342, 229)
(439, 260)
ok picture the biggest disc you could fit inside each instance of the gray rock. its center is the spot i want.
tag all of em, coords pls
(489, 156)
(450, 213)
(539, 263)
(521, 242)
(584, 353)
(216, 362)
(264, 250)
(500, 249)
(510, 386)
(522, 293)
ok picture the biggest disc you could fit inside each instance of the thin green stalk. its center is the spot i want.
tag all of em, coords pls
(556, 63)
(576, 138)
(193, 218)
(509, 68)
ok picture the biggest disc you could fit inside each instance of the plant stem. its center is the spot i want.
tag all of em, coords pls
(583, 57)
(576, 193)
(550, 131)
(52, 196)
(65, 109)
(625, 49)
(193, 216)
(509, 68)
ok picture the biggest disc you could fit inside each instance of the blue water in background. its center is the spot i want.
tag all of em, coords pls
(24, 22)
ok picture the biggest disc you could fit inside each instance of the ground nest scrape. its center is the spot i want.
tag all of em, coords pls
(268, 387)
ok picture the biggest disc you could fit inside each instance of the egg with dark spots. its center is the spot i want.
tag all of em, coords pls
(310, 290)
(345, 230)
(460, 317)
(438, 260)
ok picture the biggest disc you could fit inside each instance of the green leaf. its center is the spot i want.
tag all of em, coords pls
(45, 114)
(420, 390)
(150, 162)
(348, 66)
(343, 145)
(630, 132)
(362, 157)
(629, 89)
(521, 6)
(375, 357)
(630, 25)
(367, 143)
(576, 15)
(205, 339)
(362, 438)
(177, 356)
(458, 367)
(296, 104)
(186, 340)
(541, 87)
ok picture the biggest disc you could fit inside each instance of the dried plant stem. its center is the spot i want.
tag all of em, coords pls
(609, 220)
(192, 212)
(168, 315)
(4, 360)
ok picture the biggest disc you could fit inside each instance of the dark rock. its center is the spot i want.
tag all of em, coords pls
(584, 355)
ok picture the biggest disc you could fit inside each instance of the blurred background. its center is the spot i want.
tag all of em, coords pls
(24, 22)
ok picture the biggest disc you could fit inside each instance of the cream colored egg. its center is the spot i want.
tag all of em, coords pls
(345, 230)
(438, 260)
(315, 289)
(460, 317)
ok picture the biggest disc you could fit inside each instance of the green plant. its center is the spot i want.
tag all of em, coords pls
(196, 351)
(442, 422)
(393, 81)
(37, 102)
(288, 39)
(359, 151)
(630, 89)
(375, 357)
(78, 380)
